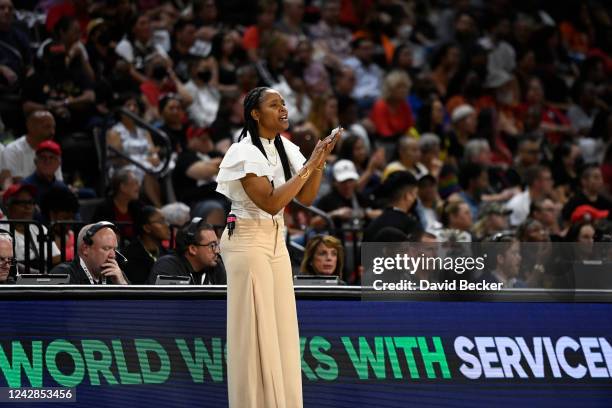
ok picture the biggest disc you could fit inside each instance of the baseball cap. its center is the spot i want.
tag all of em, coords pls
(15, 189)
(49, 146)
(494, 209)
(587, 212)
(461, 112)
(345, 170)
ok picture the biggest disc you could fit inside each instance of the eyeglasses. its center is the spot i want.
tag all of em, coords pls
(8, 260)
(212, 245)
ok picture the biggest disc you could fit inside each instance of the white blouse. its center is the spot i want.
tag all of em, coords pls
(242, 158)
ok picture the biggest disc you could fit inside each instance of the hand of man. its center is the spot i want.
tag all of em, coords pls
(110, 269)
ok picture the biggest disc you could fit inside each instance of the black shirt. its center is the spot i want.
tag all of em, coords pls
(187, 189)
(76, 272)
(178, 265)
(601, 203)
(140, 262)
(407, 223)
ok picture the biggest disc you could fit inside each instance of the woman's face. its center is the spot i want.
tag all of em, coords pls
(360, 153)
(404, 59)
(536, 233)
(331, 108)
(132, 106)
(437, 112)
(172, 112)
(228, 45)
(586, 234)
(325, 260)
(535, 93)
(72, 34)
(142, 29)
(272, 115)
(159, 226)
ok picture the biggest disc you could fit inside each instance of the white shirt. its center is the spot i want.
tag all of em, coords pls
(33, 247)
(243, 158)
(206, 100)
(519, 204)
(18, 158)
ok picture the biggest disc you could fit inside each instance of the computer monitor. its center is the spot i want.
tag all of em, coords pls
(172, 280)
(316, 280)
(43, 279)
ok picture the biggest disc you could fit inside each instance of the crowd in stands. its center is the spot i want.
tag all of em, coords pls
(465, 121)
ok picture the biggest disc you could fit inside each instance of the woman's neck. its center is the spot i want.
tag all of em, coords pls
(121, 202)
(150, 244)
(266, 134)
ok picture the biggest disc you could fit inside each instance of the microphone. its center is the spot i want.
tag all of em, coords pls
(121, 259)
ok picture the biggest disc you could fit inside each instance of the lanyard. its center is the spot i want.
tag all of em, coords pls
(89, 275)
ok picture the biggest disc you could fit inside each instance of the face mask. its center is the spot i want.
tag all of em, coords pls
(204, 75)
(159, 72)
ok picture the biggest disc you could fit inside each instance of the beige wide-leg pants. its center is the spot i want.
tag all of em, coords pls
(263, 346)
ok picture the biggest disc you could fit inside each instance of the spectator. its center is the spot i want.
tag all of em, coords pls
(68, 33)
(142, 253)
(369, 76)
(96, 262)
(590, 193)
(196, 167)
(7, 260)
(464, 123)
(391, 114)
(290, 23)
(177, 214)
(429, 144)
(507, 267)
(331, 39)
(344, 203)
(369, 168)
(316, 76)
(197, 257)
(582, 113)
(529, 154)
(474, 181)
(428, 202)
(185, 48)
(256, 35)
(323, 256)
(15, 65)
(172, 114)
(547, 213)
(19, 201)
(409, 157)
(567, 160)
(400, 189)
(122, 204)
(457, 219)
(60, 205)
(63, 89)
(226, 50)
(203, 89)
(492, 219)
(138, 47)
(136, 143)
(212, 212)
(18, 156)
(444, 66)
(431, 117)
(539, 185)
(47, 165)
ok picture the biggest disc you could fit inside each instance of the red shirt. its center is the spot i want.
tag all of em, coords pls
(390, 122)
(250, 39)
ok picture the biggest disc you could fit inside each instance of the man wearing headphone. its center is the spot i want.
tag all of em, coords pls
(95, 263)
(197, 257)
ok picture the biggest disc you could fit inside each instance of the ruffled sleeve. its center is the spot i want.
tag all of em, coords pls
(296, 158)
(240, 160)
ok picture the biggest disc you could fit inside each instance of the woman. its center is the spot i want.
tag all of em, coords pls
(324, 255)
(152, 229)
(138, 144)
(391, 114)
(261, 174)
(368, 166)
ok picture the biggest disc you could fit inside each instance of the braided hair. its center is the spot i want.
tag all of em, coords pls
(252, 101)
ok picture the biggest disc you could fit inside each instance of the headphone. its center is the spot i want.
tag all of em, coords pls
(191, 230)
(88, 237)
